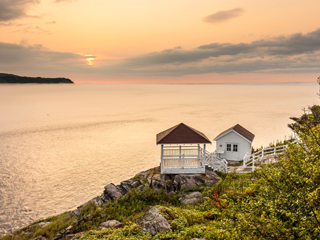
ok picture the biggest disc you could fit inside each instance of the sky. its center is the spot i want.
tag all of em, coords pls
(167, 41)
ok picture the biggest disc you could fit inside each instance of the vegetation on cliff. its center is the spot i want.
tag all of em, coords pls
(10, 78)
(278, 201)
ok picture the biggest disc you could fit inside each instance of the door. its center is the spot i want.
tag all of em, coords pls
(232, 151)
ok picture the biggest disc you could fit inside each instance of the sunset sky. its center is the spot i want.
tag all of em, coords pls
(176, 41)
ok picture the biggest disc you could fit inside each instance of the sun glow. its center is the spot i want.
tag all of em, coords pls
(89, 59)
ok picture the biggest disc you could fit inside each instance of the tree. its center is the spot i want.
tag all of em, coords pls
(307, 121)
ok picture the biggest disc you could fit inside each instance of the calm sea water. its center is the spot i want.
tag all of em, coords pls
(61, 144)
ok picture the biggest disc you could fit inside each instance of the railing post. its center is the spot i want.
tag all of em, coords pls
(226, 166)
(204, 157)
(182, 160)
(244, 161)
(212, 161)
(162, 163)
(253, 159)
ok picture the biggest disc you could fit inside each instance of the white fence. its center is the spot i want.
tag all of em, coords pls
(266, 156)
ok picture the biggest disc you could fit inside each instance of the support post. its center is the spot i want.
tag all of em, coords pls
(204, 157)
(253, 158)
(161, 159)
(212, 160)
(183, 161)
(180, 151)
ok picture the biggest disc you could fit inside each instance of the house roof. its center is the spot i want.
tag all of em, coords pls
(239, 129)
(181, 134)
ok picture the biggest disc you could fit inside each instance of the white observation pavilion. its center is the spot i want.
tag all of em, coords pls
(181, 150)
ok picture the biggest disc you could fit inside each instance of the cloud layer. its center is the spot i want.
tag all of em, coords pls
(283, 54)
(223, 16)
(297, 53)
(13, 9)
(36, 57)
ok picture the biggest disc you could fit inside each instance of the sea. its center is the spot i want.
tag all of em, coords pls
(61, 144)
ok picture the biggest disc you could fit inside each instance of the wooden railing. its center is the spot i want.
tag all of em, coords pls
(183, 162)
(180, 152)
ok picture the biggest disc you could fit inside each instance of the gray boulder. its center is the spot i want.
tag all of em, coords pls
(110, 223)
(39, 238)
(193, 180)
(154, 222)
(97, 200)
(43, 224)
(190, 198)
(111, 192)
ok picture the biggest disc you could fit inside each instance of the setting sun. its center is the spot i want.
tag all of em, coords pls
(89, 60)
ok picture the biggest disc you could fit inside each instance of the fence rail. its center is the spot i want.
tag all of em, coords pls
(266, 155)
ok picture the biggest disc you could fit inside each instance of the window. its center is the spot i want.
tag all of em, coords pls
(235, 147)
(229, 147)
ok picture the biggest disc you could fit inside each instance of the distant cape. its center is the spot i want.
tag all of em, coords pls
(10, 78)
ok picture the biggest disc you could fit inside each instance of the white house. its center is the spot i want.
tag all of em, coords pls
(234, 143)
(182, 150)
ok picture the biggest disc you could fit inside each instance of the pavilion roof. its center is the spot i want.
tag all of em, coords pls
(239, 129)
(181, 134)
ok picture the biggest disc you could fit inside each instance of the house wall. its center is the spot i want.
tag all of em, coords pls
(243, 146)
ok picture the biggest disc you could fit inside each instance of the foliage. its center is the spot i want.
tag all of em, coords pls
(129, 231)
(127, 208)
(307, 121)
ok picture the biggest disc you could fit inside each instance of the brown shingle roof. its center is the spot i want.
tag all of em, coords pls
(241, 130)
(181, 133)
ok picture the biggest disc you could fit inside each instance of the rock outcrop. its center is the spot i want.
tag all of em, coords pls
(152, 178)
(190, 198)
(110, 223)
(154, 222)
(111, 192)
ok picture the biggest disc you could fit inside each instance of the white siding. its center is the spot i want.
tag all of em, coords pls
(243, 146)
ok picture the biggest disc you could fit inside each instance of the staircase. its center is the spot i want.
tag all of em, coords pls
(215, 163)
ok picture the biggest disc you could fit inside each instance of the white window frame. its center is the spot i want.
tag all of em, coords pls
(237, 147)
(230, 147)
(232, 144)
